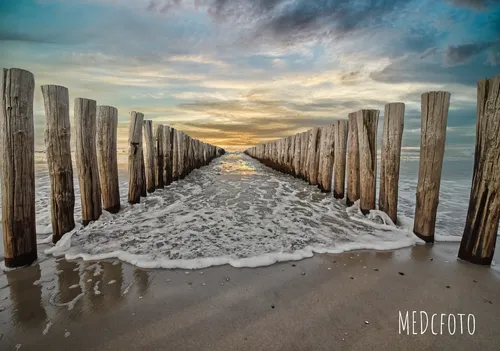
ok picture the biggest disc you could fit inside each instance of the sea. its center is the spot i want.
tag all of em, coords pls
(237, 211)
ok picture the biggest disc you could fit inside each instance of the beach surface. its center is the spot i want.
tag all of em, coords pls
(341, 301)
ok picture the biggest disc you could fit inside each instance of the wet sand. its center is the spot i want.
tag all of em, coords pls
(320, 303)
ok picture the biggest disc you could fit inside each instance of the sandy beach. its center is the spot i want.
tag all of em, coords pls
(329, 302)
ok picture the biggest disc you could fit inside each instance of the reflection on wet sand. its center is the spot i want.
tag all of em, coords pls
(112, 284)
(26, 310)
(141, 278)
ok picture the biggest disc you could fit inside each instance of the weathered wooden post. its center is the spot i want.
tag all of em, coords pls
(367, 121)
(107, 129)
(328, 141)
(149, 156)
(340, 158)
(390, 159)
(304, 147)
(481, 226)
(296, 156)
(17, 144)
(135, 157)
(86, 159)
(144, 192)
(313, 159)
(435, 107)
(175, 156)
(352, 161)
(160, 156)
(168, 150)
(58, 144)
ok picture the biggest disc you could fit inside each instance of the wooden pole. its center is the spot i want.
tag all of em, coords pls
(328, 137)
(304, 147)
(435, 107)
(481, 226)
(160, 156)
(169, 140)
(58, 144)
(86, 159)
(390, 159)
(367, 121)
(17, 142)
(144, 192)
(175, 155)
(340, 157)
(149, 156)
(135, 157)
(352, 161)
(296, 156)
(107, 129)
(313, 158)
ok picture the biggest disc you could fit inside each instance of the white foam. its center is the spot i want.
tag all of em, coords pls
(47, 327)
(237, 211)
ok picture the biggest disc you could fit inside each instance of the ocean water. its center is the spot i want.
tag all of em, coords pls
(237, 211)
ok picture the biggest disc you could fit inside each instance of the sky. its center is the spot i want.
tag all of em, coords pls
(235, 73)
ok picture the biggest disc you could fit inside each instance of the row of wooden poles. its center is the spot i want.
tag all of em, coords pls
(154, 161)
(349, 146)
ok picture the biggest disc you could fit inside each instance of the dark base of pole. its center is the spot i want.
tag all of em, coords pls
(349, 202)
(427, 239)
(151, 190)
(365, 212)
(339, 196)
(21, 260)
(474, 259)
(113, 209)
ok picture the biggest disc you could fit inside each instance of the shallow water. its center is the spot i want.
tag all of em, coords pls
(240, 212)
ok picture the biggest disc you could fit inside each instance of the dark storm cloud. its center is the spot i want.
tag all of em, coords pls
(460, 54)
(418, 71)
(474, 4)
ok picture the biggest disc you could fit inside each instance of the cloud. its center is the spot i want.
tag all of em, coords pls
(479, 5)
(460, 54)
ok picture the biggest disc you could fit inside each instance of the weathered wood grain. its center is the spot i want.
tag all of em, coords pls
(390, 159)
(17, 142)
(58, 145)
(149, 156)
(367, 121)
(341, 134)
(435, 107)
(481, 226)
(160, 156)
(353, 176)
(327, 156)
(107, 130)
(86, 159)
(135, 159)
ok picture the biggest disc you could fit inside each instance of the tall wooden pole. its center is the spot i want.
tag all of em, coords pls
(135, 157)
(435, 107)
(353, 182)
(340, 158)
(86, 159)
(296, 156)
(149, 156)
(17, 144)
(58, 144)
(175, 155)
(328, 141)
(367, 121)
(313, 159)
(481, 227)
(107, 130)
(304, 148)
(144, 192)
(160, 156)
(390, 159)
(169, 153)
